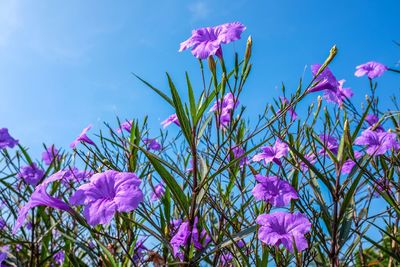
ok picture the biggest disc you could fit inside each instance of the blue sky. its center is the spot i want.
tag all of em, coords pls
(66, 64)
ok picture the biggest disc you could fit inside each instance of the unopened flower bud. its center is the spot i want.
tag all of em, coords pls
(212, 65)
(249, 46)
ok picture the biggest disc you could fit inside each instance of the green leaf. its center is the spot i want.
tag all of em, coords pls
(169, 180)
(159, 92)
(180, 112)
(192, 100)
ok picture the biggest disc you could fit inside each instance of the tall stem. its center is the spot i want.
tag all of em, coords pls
(334, 253)
(192, 212)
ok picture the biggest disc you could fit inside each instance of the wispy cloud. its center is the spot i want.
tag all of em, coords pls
(199, 10)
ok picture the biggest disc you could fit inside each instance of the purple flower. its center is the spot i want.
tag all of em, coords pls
(330, 143)
(51, 154)
(273, 190)
(326, 80)
(91, 244)
(139, 249)
(372, 119)
(377, 142)
(152, 144)
(106, 193)
(29, 225)
(74, 174)
(175, 226)
(284, 228)
(207, 41)
(3, 224)
(229, 102)
(171, 119)
(31, 174)
(18, 247)
(372, 68)
(238, 152)
(4, 250)
(59, 257)
(272, 153)
(349, 164)
(311, 158)
(40, 197)
(6, 140)
(181, 238)
(127, 126)
(292, 113)
(158, 192)
(224, 109)
(226, 259)
(82, 138)
(339, 95)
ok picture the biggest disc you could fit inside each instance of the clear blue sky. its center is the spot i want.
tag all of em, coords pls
(65, 64)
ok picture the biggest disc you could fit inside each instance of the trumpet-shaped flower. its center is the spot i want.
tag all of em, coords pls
(59, 257)
(4, 251)
(207, 41)
(273, 190)
(152, 144)
(349, 164)
(40, 197)
(325, 80)
(82, 138)
(238, 152)
(330, 143)
(224, 108)
(126, 125)
(31, 174)
(158, 192)
(339, 95)
(284, 228)
(6, 140)
(171, 119)
(51, 154)
(372, 69)
(372, 119)
(229, 102)
(181, 238)
(311, 158)
(227, 257)
(75, 175)
(377, 142)
(106, 193)
(272, 153)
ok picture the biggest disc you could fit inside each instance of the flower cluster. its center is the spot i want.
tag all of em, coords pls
(218, 215)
